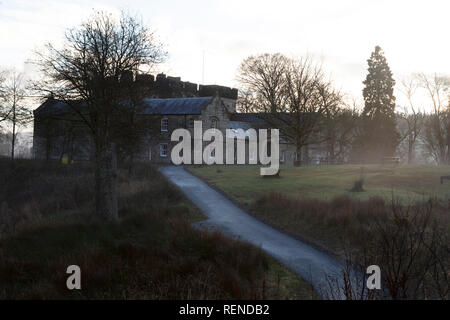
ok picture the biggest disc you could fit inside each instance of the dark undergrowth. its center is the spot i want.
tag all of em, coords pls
(144, 256)
(409, 242)
(152, 252)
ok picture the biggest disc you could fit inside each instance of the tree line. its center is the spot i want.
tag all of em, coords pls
(295, 95)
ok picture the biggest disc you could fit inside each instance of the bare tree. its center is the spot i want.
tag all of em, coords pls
(246, 101)
(88, 74)
(438, 276)
(4, 111)
(263, 80)
(340, 120)
(413, 118)
(410, 245)
(291, 95)
(305, 106)
(437, 130)
(13, 99)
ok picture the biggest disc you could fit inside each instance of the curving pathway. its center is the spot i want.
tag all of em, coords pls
(311, 264)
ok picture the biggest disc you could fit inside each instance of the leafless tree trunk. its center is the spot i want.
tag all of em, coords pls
(304, 80)
(4, 111)
(340, 122)
(413, 118)
(410, 245)
(263, 79)
(15, 109)
(291, 95)
(13, 141)
(437, 130)
(90, 75)
(105, 180)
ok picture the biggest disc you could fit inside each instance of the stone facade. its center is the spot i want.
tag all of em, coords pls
(172, 104)
(216, 111)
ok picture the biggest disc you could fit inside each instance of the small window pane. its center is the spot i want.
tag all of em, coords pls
(163, 149)
(164, 124)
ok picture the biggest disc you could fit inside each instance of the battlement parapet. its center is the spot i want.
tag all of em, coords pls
(163, 86)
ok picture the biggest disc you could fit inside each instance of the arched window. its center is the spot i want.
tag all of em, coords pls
(164, 125)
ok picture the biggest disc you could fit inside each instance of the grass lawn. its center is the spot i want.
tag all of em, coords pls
(326, 182)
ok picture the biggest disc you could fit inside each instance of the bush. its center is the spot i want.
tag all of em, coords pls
(358, 185)
(410, 243)
(35, 190)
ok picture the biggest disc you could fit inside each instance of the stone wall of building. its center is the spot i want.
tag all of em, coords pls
(65, 136)
(151, 149)
(56, 138)
(51, 136)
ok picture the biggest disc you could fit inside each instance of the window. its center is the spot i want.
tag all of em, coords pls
(213, 153)
(163, 150)
(164, 125)
(214, 123)
(150, 153)
(282, 156)
(191, 123)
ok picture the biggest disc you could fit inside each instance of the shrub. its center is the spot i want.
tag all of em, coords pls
(358, 185)
(410, 242)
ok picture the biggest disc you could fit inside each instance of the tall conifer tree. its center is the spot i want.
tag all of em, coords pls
(380, 137)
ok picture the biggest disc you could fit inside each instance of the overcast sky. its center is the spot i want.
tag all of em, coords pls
(341, 34)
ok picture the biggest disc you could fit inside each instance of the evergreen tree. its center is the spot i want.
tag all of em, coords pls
(380, 137)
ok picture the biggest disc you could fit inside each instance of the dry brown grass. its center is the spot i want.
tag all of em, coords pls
(328, 224)
(151, 253)
(410, 242)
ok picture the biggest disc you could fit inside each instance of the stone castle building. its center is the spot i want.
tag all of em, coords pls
(169, 104)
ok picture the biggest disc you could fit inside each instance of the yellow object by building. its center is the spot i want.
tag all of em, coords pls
(65, 160)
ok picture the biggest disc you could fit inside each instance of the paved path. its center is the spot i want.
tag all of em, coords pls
(311, 264)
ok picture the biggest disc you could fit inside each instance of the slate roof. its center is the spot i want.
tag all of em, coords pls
(175, 105)
(150, 106)
(52, 106)
(268, 120)
(246, 121)
(247, 117)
